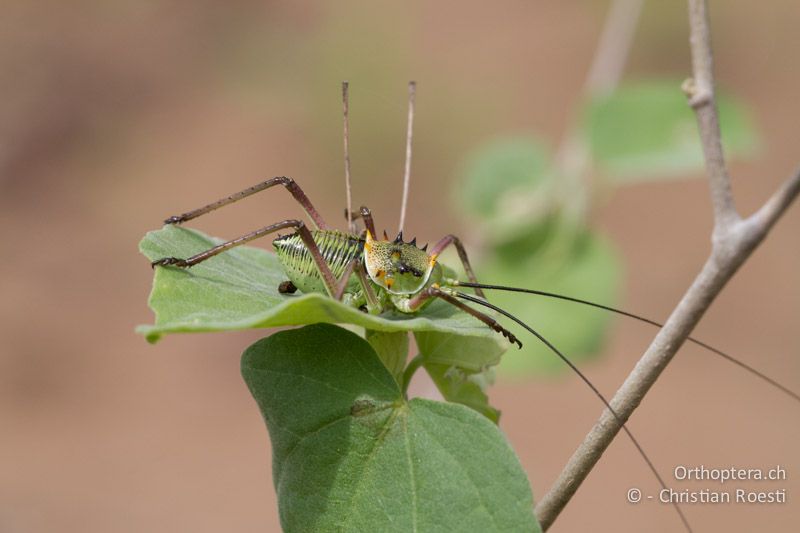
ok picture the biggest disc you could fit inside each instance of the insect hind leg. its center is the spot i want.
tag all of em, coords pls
(287, 182)
(324, 270)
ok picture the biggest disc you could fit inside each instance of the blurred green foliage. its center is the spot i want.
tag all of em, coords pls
(524, 203)
(646, 131)
(586, 265)
(516, 165)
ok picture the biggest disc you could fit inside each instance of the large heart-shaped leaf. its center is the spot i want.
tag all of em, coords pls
(239, 290)
(350, 453)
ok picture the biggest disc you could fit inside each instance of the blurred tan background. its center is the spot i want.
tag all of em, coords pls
(114, 115)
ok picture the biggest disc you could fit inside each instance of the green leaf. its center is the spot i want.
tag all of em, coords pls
(474, 354)
(239, 290)
(351, 454)
(533, 239)
(392, 349)
(467, 389)
(646, 131)
(502, 172)
(588, 268)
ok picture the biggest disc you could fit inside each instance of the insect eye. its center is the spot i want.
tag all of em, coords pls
(405, 269)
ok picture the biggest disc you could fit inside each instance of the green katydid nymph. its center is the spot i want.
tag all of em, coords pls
(354, 268)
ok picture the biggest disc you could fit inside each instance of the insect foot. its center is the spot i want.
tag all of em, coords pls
(508, 335)
(170, 261)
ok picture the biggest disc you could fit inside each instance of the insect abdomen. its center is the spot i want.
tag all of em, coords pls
(338, 249)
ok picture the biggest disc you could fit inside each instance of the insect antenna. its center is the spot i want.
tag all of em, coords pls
(412, 90)
(351, 225)
(583, 377)
(640, 318)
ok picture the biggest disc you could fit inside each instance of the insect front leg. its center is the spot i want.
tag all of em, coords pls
(434, 291)
(323, 269)
(287, 182)
(446, 241)
(373, 304)
(341, 285)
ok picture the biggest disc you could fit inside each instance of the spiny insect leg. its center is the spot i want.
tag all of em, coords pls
(324, 270)
(446, 241)
(435, 292)
(287, 182)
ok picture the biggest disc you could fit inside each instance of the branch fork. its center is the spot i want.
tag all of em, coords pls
(733, 240)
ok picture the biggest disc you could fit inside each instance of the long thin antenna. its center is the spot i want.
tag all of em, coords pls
(348, 187)
(583, 377)
(412, 91)
(640, 318)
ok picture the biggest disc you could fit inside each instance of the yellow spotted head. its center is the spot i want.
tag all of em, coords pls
(397, 266)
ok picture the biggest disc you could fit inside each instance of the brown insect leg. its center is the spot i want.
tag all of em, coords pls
(322, 267)
(290, 185)
(462, 254)
(435, 292)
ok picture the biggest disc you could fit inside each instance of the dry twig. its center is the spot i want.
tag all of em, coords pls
(733, 240)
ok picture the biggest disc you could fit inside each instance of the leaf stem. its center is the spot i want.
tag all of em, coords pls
(409, 372)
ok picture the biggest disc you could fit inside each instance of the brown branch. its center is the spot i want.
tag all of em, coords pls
(700, 91)
(733, 241)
